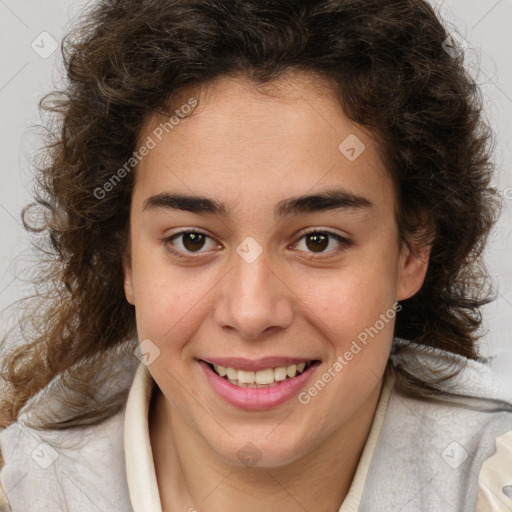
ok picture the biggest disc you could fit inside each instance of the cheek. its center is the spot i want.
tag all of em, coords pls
(169, 301)
(351, 299)
(355, 312)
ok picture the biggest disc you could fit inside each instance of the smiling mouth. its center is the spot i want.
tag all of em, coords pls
(262, 378)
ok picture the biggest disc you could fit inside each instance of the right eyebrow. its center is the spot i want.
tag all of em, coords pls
(194, 204)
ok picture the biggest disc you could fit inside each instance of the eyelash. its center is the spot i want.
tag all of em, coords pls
(344, 242)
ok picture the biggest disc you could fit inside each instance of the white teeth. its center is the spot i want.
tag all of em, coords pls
(260, 378)
(263, 376)
(291, 371)
(221, 370)
(280, 373)
(245, 377)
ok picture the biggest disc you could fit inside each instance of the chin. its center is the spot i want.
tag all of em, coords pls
(257, 451)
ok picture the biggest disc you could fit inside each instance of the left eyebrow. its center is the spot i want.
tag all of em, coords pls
(323, 201)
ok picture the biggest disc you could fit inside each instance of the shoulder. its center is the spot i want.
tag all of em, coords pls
(75, 468)
(442, 457)
(434, 455)
(72, 468)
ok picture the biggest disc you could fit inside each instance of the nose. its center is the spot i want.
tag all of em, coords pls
(254, 300)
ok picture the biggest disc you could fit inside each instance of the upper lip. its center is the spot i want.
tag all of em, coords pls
(241, 363)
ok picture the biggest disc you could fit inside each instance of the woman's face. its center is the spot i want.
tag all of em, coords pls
(253, 291)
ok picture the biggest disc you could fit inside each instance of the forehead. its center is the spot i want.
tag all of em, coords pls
(261, 142)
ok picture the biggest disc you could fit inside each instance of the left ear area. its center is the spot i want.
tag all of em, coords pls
(412, 270)
(128, 279)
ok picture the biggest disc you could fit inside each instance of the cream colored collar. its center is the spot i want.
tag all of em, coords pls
(140, 467)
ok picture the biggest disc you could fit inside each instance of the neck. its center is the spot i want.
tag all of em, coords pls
(192, 477)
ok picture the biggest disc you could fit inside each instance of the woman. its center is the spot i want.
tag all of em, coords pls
(265, 224)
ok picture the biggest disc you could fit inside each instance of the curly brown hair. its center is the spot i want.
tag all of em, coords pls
(129, 59)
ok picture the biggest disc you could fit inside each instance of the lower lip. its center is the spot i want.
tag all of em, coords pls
(257, 399)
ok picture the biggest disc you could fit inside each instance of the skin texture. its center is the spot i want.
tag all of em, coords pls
(250, 149)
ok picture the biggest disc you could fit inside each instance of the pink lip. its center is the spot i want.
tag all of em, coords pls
(257, 399)
(256, 364)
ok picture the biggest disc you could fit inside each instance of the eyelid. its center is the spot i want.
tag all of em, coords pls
(342, 240)
(182, 254)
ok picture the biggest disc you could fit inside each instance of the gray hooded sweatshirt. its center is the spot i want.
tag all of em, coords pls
(427, 459)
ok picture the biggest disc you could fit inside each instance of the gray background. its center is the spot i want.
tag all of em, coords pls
(27, 73)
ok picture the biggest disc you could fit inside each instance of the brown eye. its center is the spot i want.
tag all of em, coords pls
(189, 242)
(317, 242)
(193, 241)
(323, 242)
